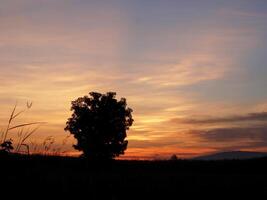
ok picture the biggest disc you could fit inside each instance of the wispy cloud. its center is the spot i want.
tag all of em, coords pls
(242, 13)
(190, 70)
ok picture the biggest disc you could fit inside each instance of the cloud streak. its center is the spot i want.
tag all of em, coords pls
(257, 133)
(261, 117)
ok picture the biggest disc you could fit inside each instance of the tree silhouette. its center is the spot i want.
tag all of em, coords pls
(99, 123)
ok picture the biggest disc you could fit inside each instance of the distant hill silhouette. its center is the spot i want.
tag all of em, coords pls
(231, 155)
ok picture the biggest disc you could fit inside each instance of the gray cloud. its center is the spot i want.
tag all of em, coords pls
(261, 116)
(249, 137)
(230, 134)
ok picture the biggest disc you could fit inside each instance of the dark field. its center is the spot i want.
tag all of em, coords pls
(49, 176)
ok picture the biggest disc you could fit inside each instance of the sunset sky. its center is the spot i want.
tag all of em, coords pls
(194, 72)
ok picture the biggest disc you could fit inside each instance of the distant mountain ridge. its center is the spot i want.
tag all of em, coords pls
(231, 155)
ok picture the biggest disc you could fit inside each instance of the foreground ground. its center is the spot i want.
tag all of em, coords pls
(133, 179)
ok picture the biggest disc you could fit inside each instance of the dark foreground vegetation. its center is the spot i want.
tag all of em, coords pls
(65, 176)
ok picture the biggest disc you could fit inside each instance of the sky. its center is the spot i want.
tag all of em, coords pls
(194, 72)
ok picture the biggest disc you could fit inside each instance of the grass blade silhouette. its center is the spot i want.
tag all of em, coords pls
(26, 124)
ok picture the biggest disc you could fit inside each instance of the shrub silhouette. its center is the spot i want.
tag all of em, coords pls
(99, 123)
(6, 146)
(173, 157)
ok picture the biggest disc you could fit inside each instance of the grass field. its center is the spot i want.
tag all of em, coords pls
(133, 179)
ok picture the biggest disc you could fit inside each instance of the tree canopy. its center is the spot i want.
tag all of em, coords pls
(99, 123)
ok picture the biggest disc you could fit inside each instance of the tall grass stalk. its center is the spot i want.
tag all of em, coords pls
(22, 135)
